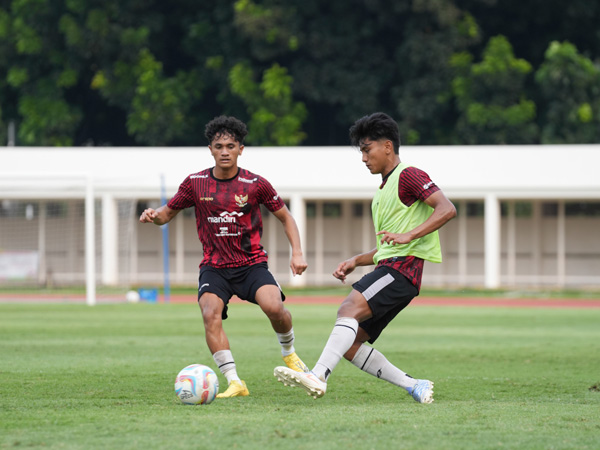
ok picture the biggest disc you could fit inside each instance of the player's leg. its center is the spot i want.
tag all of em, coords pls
(268, 297)
(213, 312)
(370, 360)
(353, 309)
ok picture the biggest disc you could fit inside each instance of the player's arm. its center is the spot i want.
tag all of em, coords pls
(346, 267)
(443, 211)
(297, 263)
(159, 216)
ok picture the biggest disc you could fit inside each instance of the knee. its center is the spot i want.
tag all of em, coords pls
(211, 310)
(276, 313)
(348, 310)
(355, 306)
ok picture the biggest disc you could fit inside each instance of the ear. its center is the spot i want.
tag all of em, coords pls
(241, 149)
(389, 147)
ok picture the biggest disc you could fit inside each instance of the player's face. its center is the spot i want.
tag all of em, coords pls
(225, 149)
(375, 154)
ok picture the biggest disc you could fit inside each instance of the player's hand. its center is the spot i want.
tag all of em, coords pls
(344, 268)
(148, 215)
(394, 238)
(298, 264)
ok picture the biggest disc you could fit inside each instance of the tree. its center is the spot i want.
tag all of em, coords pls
(351, 58)
(275, 119)
(120, 72)
(570, 96)
(39, 76)
(491, 97)
(422, 89)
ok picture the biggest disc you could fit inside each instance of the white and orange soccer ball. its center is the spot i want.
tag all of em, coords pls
(196, 384)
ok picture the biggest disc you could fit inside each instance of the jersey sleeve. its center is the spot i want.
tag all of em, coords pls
(414, 184)
(268, 196)
(184, 198)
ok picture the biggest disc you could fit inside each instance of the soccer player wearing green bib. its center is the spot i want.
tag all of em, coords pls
(408, 209)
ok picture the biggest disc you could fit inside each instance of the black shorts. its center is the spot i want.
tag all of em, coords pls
(387, 292)
(240, 281)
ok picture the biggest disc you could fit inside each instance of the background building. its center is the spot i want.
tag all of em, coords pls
(528, 216)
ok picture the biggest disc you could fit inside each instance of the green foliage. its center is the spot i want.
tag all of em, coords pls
(570, 93)
(299, 71)
(47, 120)
(160, 105)
(102, 377)
(3, 129)
(491, 97)
(421, 91)
(38, 75)
(269, 26)
(17, 76)
(275, 119)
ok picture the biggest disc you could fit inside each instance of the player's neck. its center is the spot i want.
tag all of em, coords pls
(225, 173)
(390, 166)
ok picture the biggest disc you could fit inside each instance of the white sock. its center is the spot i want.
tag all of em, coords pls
(226, 364)
(340, 340)
(373, 362)
(287, 342)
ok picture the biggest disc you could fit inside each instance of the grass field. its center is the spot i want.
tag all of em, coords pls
(72, 376)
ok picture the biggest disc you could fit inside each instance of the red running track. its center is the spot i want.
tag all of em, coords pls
(296, 300)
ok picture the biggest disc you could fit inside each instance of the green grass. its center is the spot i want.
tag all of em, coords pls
(75, 377)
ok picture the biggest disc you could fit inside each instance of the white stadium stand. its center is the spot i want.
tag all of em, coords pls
(528, 215)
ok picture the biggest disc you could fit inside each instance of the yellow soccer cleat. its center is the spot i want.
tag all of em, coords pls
(235, 389)
(295, 363)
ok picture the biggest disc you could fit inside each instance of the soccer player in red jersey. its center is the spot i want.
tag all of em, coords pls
(227, 203)
(408, 209)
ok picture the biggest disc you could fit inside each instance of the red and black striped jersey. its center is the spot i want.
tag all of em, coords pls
(228, 216)
(414, 184)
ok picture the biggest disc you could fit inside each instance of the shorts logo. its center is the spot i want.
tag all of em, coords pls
(241, 200)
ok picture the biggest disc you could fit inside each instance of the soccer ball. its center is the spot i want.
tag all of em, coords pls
(196, 384)
(132, 296)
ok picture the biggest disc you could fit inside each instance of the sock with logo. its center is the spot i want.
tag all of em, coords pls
(287, 342)
(373, 362)
(226, 364)
(340, 340)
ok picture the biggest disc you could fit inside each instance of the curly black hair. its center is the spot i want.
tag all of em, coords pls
(225, 125)
(375, 127)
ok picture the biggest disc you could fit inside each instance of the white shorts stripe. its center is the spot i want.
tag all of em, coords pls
(378, 286)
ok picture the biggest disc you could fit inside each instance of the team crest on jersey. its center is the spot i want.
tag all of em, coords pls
(241, 200)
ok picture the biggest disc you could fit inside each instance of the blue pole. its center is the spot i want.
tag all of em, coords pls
(165, 242)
